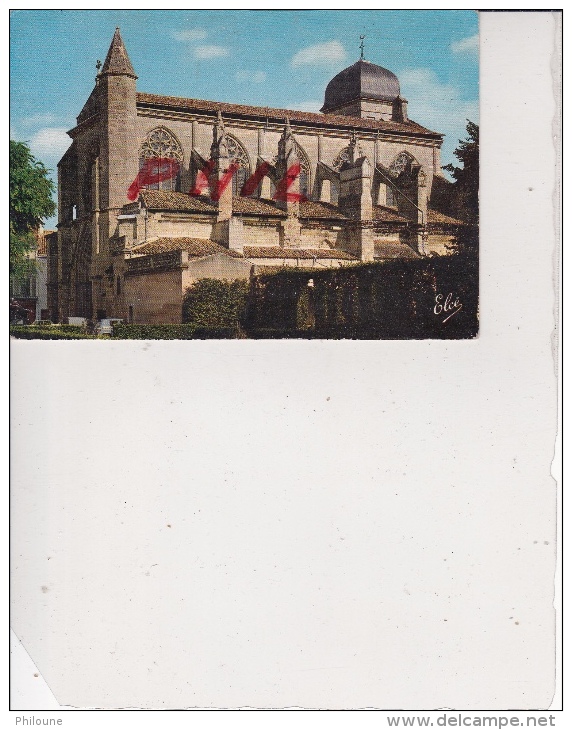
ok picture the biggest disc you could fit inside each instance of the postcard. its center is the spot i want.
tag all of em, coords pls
(313, 194)
(284, 359)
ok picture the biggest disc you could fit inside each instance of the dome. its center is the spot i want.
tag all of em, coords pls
(363, 80)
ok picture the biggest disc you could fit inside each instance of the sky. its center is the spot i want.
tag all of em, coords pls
(265, 58)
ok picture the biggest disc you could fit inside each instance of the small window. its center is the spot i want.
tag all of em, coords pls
(118, 286)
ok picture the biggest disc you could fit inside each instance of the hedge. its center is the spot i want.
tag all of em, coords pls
(31, 332)
(172, 332)
(386, 300)
(72, 328)
(127, 332)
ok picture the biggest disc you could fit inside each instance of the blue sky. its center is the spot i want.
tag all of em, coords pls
(267, 58)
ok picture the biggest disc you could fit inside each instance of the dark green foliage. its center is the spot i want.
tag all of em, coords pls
(214, 304)
(30, 203)
(171, 332)
(21, 266)
(390, 300)
(32, 332)
(273, 300)
(466, 185)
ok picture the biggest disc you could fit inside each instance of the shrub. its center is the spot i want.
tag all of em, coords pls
(172, 332)
(212, 304)
(32, 332)
(51, 327)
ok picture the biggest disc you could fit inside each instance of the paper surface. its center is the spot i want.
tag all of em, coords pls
(311, 524)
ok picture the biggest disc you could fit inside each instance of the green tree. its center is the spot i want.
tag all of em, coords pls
(30, 204)
(211, 303)
(466, 185)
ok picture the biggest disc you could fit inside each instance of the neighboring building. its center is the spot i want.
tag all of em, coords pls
(31, 292)
(351, 184)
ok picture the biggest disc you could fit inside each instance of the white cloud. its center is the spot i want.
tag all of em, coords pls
(206, 52)
(468, 45)
(256, 77)
(50, 141)
(39, 120)
(322, 54)
(192, 34)
(438, 106)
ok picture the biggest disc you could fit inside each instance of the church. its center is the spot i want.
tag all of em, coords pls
(156, 192)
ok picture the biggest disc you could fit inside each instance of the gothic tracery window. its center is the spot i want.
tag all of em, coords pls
(238, 154)
(161, 144)
(343, 156)
(304, 171)
(400, 163)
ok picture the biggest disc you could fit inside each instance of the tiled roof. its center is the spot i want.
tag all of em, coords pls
(195, 247)
(279, 115)
(42, 242)
(309, 209)
(254, 206)
(435, 216)
(317, 209)
(277, 252)
(387, 215)
(181, 202)
(384, 250)
(164, 200)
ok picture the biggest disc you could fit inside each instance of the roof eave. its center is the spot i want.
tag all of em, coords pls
(278, 116)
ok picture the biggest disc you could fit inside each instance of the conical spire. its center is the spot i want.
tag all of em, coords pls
(117, 61)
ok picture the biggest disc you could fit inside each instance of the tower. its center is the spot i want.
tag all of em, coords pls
(118, 113)
(116, 168)
(365, 90)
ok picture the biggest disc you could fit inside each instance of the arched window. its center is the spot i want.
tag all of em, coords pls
(161, 144)
(238, 154)
(402, 163)
(344, 156)
(304, 171)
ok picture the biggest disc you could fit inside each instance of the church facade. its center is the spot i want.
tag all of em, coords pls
(156, 192)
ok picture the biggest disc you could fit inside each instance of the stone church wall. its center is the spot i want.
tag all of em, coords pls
(156, 297)
(163, 226)
(321, 238)
(260, 140)
(261, 235)
(219, 266)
